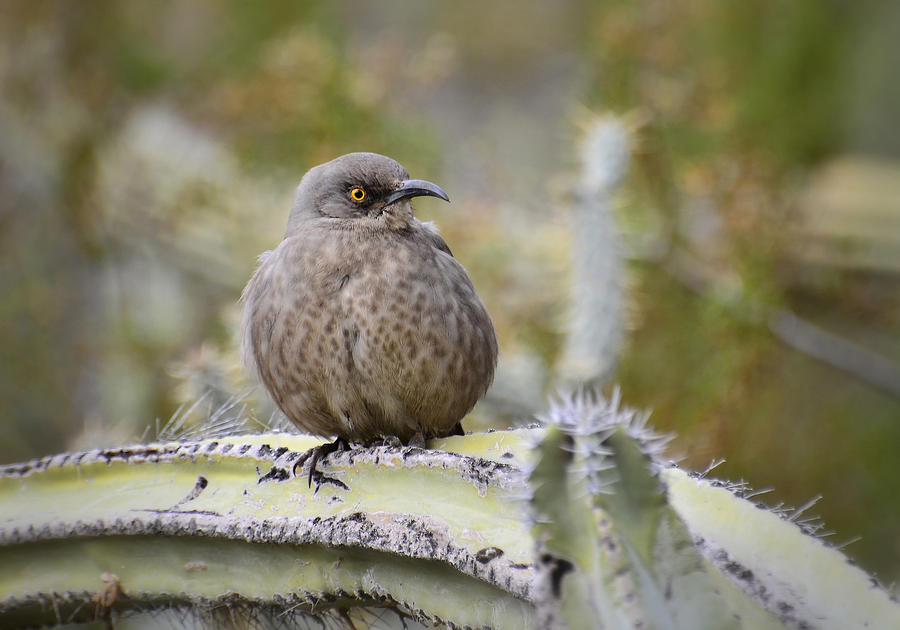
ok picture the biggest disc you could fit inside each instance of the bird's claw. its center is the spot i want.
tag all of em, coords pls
(316, 454)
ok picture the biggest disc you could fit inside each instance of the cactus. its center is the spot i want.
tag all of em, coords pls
(577, 523)
(632, 564)
(596, 326)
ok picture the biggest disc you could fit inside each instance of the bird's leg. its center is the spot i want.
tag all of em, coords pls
(317, 453)
(417, 440)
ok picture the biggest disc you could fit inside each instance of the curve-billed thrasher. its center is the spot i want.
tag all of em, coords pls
(361, 324)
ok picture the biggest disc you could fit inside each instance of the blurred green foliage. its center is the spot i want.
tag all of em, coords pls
(148, 153)
(739, 103)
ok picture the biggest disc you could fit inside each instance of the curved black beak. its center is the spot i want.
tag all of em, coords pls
(415, 188)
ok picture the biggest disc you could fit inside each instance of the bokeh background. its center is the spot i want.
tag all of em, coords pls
(149, 151)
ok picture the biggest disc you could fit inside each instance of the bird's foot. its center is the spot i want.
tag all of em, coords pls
(417, 440)
(388, 440)
(316, 454)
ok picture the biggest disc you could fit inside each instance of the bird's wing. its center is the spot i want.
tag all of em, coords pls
(249, 299)
(431, 231)
(261, 308)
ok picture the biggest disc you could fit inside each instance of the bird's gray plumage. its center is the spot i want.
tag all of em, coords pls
(361, 323)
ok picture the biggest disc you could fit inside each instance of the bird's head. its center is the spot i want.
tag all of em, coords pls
(363, 186)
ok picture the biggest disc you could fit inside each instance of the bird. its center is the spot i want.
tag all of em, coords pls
(360, 324)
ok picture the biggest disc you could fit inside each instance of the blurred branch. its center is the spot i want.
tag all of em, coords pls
(792, 330)
(838, 352)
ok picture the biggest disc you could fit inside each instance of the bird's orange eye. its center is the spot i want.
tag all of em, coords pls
(357, 194)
